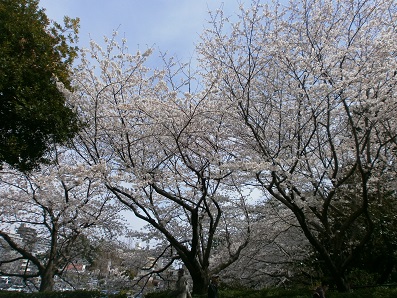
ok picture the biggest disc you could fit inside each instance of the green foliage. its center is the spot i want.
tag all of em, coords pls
(380, 292)
(374, 262)
(361, 277)
(71, 294)
(34, 55)
(379, 257)
(163, 294)
(246, 293)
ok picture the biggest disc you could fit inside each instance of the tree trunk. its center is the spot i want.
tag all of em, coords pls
(386, 272)
(341, 284)
(200, 281)
(47, 279)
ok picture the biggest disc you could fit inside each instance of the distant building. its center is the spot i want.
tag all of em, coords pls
(78, 268)
(28, 235)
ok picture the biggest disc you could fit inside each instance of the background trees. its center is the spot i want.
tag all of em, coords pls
(314, 85)
(54, 211)
(276, 254)
(35, 57)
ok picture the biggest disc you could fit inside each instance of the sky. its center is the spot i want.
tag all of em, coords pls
(172, 26)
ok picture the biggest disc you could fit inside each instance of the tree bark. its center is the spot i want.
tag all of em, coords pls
(47, 279)
(200, 281)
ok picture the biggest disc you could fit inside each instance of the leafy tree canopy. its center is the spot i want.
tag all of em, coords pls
(35, 56)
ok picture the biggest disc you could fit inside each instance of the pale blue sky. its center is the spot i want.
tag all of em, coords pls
(172, 26)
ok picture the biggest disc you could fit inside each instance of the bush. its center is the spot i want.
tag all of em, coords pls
(245, 293)
(162, 294)
(379, 292)
(68, 294)
(376, 292)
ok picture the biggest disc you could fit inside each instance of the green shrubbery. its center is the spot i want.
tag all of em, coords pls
(71, 294)
(379, 292)
(292, 293)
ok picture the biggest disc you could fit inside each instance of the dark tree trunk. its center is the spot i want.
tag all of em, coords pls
(388, 270)
(200, 281)
(47, 279)
(341, 284)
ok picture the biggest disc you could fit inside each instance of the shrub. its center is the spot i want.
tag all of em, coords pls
(378, 292)
(69, 294)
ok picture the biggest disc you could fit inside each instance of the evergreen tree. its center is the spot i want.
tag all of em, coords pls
(35, 56)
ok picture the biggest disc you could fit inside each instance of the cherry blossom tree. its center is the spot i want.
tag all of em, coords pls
(311, 90)
(162, 148)
(277, 252)
(53, 210)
